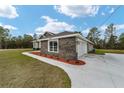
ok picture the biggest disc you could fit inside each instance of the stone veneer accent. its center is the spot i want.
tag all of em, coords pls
(44, 47)
(67, 48)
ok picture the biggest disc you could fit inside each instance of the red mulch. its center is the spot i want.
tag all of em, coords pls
(73, 62)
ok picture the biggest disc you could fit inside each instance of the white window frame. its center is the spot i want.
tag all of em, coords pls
(57, 46)
(39, 44)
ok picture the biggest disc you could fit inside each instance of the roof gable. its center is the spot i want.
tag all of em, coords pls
(65, 33)
(48, 35)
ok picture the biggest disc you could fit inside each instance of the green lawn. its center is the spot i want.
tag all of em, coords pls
(102, 51)
(17, 70)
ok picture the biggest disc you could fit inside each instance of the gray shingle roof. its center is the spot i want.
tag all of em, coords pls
(58, 34)
(47, 35)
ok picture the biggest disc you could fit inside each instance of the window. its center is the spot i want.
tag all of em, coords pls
(53, 46)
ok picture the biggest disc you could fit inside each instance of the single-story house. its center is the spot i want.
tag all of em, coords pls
(68, 45)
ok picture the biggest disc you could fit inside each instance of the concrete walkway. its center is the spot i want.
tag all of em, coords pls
(99, 71)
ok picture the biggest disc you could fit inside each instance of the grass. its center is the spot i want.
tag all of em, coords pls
(17, 70)
(103, 51)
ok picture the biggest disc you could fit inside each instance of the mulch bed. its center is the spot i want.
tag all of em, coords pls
(73, 62)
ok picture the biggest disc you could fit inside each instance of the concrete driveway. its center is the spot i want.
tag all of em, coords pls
(103, 70)
(100, 70)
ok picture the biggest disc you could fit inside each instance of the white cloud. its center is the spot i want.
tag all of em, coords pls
(103, 14)
(85, 31)
(112, 10)
(31, 34)
(8, 11)
(102, 29)
(10, 27)
(107, 10)
(54, 25)
(48, 19)
(78, 10)
(120, 27)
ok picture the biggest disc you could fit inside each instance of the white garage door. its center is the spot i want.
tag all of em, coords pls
(81, 48)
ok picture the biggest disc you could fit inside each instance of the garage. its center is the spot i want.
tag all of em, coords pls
(81, 48)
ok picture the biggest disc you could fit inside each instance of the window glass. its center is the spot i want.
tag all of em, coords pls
(53, 46)
(51, 43)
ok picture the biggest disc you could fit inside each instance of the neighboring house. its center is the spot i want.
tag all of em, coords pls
(68, 45)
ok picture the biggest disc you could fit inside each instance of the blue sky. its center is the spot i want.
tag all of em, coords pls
(32, 19)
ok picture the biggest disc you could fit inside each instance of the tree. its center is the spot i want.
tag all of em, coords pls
(94, 36)
(35, 36)
(121, 41)
(110, 37)
(19, 41)
(4, 33)
(7, 41)
(13, 42)
(27, 41)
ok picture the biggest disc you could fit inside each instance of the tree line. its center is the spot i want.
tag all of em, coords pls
(7, 41)
(108, 39)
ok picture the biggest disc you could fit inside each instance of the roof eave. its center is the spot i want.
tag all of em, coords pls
(80, 36)
(72, 35)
